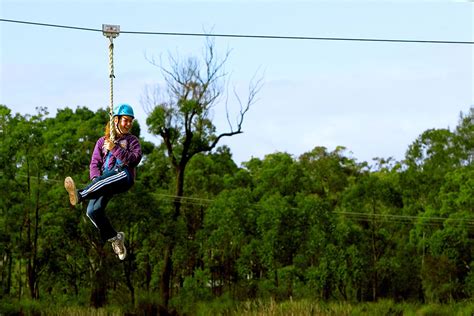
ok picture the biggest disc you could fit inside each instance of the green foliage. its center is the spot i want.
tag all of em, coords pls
(281, 235)
(196, 290)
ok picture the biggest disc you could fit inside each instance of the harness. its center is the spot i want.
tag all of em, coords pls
(118, 162)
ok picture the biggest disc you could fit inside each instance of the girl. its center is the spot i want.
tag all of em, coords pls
(112, 171)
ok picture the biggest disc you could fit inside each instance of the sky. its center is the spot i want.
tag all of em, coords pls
(374, 98)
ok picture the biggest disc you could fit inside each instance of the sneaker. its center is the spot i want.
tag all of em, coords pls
(118, 245)
(71, 189)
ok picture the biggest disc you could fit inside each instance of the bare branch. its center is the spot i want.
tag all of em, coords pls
(150, 98)
(227, 107)
(190, 81)
(254, 88)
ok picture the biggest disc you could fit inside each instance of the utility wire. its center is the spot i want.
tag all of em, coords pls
(204, 201)
(249, 36)
(367, 217)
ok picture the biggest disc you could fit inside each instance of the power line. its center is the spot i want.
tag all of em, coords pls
(279, 37)
(365, 217)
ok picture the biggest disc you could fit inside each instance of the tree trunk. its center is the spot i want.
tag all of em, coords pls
(33, 267)
(99, 291)
(127, 268)
(32, 279)
(9, 261)
(167, 271)
(166, 276)
(148, 273)
(98, 296)
(374, 257)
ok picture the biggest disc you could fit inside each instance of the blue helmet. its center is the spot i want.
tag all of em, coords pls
(123, 109)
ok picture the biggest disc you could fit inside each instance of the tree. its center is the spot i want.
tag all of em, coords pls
(228, 228)
(448, 249)
(327, 174)
(437, 188)
(11, 200)
(31, 161)
(465, 136)
(374, 199)
(185, 126)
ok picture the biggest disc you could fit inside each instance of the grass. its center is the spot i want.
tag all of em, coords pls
(270, 307)
(309, 307)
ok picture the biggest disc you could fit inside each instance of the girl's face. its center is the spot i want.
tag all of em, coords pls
(125, 124)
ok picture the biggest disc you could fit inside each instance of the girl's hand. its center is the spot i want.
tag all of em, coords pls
(109, 145)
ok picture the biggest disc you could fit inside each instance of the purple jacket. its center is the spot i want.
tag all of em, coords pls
(127, 149)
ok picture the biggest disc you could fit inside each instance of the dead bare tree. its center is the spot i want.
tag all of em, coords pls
(185, 125)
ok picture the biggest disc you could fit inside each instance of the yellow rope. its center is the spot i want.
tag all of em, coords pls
(112, 76)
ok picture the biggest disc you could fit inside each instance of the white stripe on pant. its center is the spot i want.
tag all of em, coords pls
(101, 183)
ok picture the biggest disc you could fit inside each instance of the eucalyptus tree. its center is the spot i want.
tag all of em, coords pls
(446, 246)
(31, 162)
(329, 255)
(465, 136)
(182, 118)
(25, 171)
(374, 202)
(11, 210)
(435, 181)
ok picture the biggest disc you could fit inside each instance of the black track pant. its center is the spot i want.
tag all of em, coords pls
(99, 193)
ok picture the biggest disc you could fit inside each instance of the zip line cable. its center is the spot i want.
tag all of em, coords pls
(249, 36)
